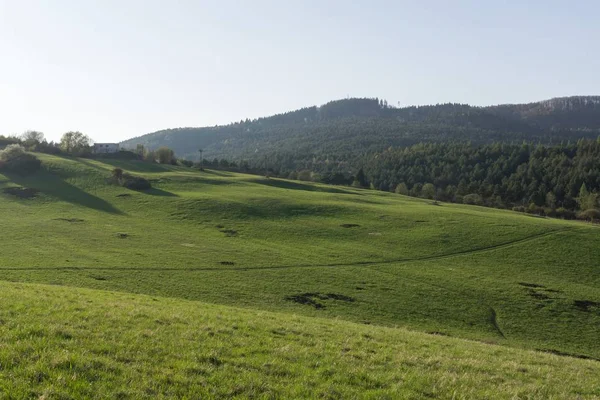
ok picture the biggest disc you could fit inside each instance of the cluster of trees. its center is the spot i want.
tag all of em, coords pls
(71, 143)
(501, 175)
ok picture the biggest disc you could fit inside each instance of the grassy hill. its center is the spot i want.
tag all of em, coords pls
(79, 343)
(270, 245)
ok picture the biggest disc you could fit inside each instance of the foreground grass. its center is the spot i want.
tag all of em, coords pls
(323, 251)
(79, 343)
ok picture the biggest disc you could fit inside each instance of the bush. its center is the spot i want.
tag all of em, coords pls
(117, 174)
(14, 159)
(535, 209)
(473, 199)
(519, 209)
(135, 182)
(563, 213)
(592, 215)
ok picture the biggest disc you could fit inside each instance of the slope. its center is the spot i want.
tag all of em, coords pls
(270, 244)
(76, 343)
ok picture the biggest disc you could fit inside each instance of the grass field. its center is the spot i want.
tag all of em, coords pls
(81, 343)
(295, 248)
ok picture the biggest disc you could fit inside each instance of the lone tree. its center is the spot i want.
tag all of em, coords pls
(165, 155)
(75, 143)
(32, 137)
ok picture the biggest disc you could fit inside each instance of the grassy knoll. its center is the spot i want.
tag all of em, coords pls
(78, 343)
(369, 257)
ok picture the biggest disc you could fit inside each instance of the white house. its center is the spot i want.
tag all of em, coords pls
(106, 147)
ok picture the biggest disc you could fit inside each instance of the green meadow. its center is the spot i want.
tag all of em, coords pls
(285, 289)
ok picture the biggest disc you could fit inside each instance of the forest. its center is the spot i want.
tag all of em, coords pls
(349, 128)
(541, 179)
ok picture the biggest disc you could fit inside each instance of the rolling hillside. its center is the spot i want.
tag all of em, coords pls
(268, 245)
(76, 343)
(345, 129)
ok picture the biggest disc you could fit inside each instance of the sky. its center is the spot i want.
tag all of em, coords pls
(116, 69)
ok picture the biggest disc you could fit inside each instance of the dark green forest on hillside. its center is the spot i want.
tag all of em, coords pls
(345, 129)
(539, 156)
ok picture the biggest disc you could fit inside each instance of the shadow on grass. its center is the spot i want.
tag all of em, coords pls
(54, 186)
(157, 192)
(300, 186)
(218, 173)
(138, 166)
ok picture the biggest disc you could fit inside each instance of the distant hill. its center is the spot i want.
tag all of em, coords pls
(342, 129)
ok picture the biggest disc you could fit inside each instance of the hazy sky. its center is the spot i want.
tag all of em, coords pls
(118, 69)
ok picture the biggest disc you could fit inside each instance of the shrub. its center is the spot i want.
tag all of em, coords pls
(535, 209)
(563, 213)
(135, 182)
(519, 209)
(592, 215)
(473, 199)
(14, 159)
(117, 174)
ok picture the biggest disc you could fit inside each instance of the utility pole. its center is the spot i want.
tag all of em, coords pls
(201, 160)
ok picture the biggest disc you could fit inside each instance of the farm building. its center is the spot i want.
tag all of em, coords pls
(106, 147)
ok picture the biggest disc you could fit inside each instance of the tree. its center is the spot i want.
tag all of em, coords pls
(428, 191)
(360, 180)
(402, 189)
(117, 174)
(551, 200)
(75, 143)
(140, 150)
(165, 155)
(586, 200)
(32, 137)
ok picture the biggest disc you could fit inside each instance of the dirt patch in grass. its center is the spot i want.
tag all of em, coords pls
(586, 305)
(537, 295)
(312, 299)
(349, 225)
(121, 235)
(229, 232)
(227, 263)
(21, 192)
(71, 220)
(124, 195)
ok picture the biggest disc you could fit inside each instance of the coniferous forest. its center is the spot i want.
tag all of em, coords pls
(540, 157)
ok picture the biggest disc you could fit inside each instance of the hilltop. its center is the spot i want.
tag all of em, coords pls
(345, 129)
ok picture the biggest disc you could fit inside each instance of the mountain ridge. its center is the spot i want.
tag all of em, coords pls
(346, 127)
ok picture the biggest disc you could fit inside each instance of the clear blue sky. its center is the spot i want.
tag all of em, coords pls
(118, 69)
